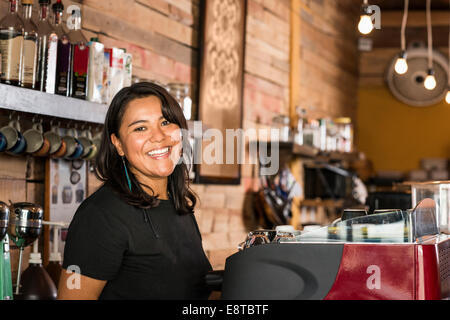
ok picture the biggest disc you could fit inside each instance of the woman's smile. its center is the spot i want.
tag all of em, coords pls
(150, 143)
(159, 154)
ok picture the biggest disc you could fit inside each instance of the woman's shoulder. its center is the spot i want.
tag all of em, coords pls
(104, 199)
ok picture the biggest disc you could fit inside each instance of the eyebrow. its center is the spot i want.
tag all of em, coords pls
(142, 121)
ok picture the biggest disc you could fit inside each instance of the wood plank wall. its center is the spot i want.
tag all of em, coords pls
(328, 58)
(163, 36)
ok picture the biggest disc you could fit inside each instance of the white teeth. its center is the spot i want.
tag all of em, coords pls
(158, 152)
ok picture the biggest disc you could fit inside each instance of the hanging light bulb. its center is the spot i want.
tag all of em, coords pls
(365, 25)
(401, 65)
(447, 97)
(430, 80)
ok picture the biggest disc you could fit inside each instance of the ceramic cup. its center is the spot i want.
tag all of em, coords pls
(71, 144)
(55, 140)
(16, 143)
(3, 142)
(34, 138)
(92, 154)
(97, 140)
(44, 150)
(74, 147)
(78, 151)
(61, 152)
(86, 141)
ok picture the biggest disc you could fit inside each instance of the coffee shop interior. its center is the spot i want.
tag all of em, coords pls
(358, 90)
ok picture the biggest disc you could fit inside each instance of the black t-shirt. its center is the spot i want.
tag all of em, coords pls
(142, 254)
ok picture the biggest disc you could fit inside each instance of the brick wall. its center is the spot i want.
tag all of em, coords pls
(329, 56)
(163, 36)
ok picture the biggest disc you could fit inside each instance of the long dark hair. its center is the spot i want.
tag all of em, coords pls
(110, 166)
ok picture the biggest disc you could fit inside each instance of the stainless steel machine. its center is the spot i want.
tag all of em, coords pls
(394, 254)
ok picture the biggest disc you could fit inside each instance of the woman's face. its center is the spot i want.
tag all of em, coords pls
(150, 143)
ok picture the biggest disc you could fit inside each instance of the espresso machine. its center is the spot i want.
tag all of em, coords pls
(25, 227)
(5, 263)
(393, 254)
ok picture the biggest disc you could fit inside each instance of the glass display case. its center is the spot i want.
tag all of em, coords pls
(387, 226)
(439, 191)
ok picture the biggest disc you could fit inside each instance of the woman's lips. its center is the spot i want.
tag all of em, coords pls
(159, 154)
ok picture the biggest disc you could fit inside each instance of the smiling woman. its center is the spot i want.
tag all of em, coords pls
(137, 237)
(145, 118)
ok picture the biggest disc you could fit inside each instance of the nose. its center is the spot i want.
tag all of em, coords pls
(157, 135)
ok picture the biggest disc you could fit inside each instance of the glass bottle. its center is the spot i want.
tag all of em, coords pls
(29, 56)
(11, 44)
(80, 58)
(47, 50)
(300, 126)
(64, 57)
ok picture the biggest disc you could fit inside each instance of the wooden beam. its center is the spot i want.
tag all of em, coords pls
(390, 37)
(296, 6)
(415, 18)
(294, 91)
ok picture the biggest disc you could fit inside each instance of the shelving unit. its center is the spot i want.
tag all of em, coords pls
(35, 102)
(329, 203)
(40, 103)
(308, 152)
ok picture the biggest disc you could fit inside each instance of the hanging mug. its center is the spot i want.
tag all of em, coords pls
(43, 151)
(92, 154)
(16, 142)
(55, 140)
(74, 147)
(3, 142)
(97, 140)
(34, 138)
(86, 141)
(61, 153)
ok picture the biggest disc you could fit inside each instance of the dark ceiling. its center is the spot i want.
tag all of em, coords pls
(413, 4)
(390, 36)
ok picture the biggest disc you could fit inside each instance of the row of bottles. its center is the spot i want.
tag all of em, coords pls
(46, 57)
(327, 135)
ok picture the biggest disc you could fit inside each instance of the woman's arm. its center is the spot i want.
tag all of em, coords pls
(74, 286)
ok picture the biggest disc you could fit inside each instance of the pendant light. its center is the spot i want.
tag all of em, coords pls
(430, 80)
(447, 97)
(401, 65)
(365, 25)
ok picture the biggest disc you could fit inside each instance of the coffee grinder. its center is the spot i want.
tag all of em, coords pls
(6, 292)
(25, 227)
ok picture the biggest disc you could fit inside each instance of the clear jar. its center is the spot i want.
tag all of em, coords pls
(344, 134)
(281, 122)
(182, 93)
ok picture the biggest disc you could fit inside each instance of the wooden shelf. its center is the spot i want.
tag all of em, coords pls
(304, 151)
(322, 202)
(309, 152)
(32, 101)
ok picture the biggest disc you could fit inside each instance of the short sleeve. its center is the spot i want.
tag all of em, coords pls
(95, 243)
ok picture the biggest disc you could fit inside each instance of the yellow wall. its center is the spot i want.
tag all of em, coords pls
(396, 136)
